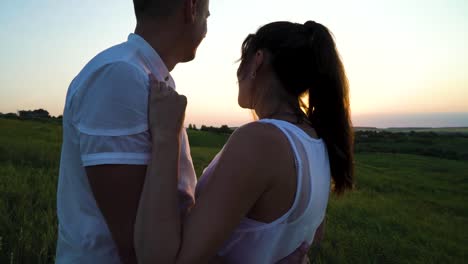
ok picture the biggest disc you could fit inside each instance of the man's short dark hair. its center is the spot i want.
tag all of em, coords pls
(155, 8)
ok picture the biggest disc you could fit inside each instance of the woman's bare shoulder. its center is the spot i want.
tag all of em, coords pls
(259, 131)
(260, 141)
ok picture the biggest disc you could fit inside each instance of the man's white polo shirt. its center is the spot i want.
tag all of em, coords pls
(105, 122)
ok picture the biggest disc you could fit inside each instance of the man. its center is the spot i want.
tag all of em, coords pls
(106, 142)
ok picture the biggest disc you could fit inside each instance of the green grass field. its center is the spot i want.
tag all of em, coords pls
(439, 130)
(409, 206)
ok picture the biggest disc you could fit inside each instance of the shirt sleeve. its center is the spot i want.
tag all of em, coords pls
(111, 116)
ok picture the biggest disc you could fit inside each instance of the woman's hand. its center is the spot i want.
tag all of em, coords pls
(166, 110)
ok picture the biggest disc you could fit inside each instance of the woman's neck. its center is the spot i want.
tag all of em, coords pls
(274, 110)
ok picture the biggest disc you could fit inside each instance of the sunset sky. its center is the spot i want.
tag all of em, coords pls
(407, 60)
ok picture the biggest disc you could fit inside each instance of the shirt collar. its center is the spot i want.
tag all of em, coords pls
(152, 56)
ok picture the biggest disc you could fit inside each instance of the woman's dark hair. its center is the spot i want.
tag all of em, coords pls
(305, 60)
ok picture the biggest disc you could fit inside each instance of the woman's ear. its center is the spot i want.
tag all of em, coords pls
(259, 57)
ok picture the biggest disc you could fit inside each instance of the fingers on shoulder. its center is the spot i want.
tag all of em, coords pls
(159, 89)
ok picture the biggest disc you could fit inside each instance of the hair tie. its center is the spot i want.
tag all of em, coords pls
(311, 25)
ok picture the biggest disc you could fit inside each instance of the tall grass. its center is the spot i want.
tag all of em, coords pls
(29, 159)
(406, 208)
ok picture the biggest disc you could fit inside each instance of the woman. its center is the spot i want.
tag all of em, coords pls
(267, 190)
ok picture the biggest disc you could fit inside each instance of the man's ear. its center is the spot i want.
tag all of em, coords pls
(190, 7)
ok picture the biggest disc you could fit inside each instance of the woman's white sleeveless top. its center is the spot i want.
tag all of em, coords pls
(257, 242)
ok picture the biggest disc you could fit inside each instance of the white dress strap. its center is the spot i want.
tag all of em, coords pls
(284, 127)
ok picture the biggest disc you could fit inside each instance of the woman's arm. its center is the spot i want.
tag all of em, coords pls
(236, 185)
(239, 179)
(157, 226)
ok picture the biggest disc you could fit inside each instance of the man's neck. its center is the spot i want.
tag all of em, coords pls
(162, 41)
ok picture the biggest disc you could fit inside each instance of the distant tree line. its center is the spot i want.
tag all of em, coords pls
(38, 114)
(43, 115)
(224, 129)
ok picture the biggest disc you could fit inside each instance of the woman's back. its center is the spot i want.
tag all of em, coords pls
(266, 241)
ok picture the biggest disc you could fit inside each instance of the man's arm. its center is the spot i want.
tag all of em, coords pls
(117, 190)
(112, 118)
(299, 256)
(319, 234)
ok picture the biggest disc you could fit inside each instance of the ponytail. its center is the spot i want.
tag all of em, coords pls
(305, 60)
(328, 110)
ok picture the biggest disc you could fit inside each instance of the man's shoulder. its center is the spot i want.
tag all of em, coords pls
(109, 72)
(120, 61)
(121, 54)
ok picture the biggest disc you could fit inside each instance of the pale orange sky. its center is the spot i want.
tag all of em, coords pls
(402, 57)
